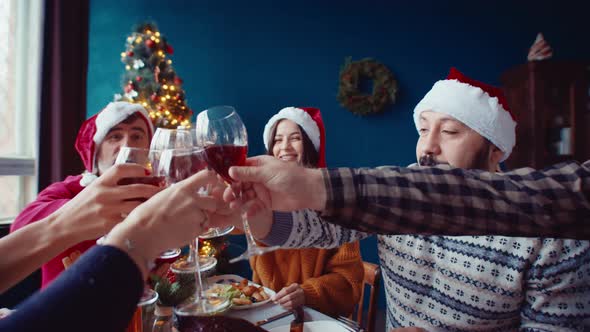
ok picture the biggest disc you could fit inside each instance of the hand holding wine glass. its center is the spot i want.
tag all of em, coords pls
(223, 134)
(145, 157)
(139, 156)
(182, 138)
(170, 138)
(175, 166)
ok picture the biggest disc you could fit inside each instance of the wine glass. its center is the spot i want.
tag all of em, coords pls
(170, 138)
(182, 137)
(149, 158)
(221, 131)
(144, 157)
(165, 138)
(177, 165)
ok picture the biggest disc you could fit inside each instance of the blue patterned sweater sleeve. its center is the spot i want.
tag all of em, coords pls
(280, 229)
(307, 229)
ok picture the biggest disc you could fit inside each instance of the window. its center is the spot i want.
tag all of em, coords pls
(20, 76)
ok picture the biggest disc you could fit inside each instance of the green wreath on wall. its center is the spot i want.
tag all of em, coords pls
(384, 86)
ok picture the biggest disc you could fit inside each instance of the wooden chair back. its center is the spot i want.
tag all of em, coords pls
(371, 281)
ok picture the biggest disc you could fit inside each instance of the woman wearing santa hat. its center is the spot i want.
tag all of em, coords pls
(328, 280)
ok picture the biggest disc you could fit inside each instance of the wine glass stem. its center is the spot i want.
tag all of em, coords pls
(250, 241)
(200, 293)
(192, 253)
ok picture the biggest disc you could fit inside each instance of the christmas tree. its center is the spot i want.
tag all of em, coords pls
(150, 79)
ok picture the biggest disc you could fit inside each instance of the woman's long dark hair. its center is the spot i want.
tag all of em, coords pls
(310, 156)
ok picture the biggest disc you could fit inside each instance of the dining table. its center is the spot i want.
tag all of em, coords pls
(271, 309)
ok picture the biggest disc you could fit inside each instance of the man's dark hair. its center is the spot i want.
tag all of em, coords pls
(132, 118)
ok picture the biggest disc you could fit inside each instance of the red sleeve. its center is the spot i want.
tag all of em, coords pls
(49, 200)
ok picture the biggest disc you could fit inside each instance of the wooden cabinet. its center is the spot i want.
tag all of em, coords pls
(551, 103)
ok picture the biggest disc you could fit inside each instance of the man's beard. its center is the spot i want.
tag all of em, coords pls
(429, 160)
(479, 160)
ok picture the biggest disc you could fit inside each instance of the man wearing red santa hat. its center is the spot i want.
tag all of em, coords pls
(459, 283)
(98, 142)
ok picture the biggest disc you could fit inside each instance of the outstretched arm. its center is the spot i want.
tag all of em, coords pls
(93, 212)
(101, 290)
(452, 201)
(98, 293)
(430, 200)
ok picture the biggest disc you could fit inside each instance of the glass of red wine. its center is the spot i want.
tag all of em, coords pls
(171, 138)
(145, 157)
(176, 165)
(221, 131)
(182, 137)
(149, 158)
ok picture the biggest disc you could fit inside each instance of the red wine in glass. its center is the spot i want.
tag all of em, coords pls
(157, 181)
(140, 156)
(223, 134)
(178, 164)
(222, 157)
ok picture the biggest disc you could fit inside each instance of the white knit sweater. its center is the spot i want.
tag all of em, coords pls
(471, 283)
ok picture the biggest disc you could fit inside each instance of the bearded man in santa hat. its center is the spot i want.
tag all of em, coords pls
(98, 143)
(459, 283)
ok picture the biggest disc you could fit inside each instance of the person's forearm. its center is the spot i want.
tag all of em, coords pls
(30, 247)
(445, 201)
(134, 243)
(317, 189)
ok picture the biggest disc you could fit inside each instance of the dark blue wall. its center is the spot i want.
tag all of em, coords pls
(262, 55)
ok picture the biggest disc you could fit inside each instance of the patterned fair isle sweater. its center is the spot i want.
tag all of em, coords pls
(470, 283)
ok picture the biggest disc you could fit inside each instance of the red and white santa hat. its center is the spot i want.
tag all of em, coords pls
(310, 120)
(479, 106)
(94, 130)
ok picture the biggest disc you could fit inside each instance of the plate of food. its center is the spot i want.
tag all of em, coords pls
(243, 293)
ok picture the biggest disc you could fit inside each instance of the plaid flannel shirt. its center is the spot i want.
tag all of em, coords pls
(442, 200)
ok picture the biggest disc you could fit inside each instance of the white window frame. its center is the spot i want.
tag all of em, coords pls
(28, 55)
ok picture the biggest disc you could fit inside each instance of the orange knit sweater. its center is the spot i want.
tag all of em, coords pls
(331, 278)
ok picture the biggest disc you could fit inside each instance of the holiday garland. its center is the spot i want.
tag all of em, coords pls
(384, 86)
